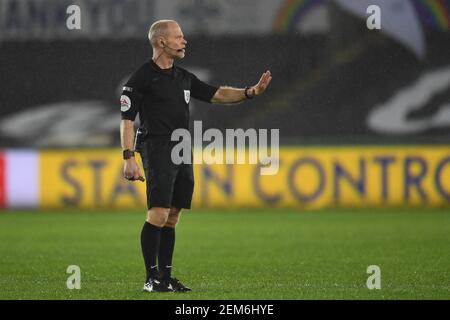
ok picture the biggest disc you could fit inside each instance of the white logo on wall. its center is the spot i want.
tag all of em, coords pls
(392, 116)
(187, 95)
(81, 123)
(125, 103)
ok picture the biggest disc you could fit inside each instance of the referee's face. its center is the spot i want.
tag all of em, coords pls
(175, 42)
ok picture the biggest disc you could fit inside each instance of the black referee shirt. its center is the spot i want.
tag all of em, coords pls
(161, 97)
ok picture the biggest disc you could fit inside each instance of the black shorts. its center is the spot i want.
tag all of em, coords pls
(168, 184)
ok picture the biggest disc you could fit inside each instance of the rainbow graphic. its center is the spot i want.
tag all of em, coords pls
(434, 13)
(291, 11)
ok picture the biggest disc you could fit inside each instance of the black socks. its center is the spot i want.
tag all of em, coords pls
(166, 247)
(150, 241)
(157, 244)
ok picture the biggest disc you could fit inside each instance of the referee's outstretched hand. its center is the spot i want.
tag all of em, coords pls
(132, 171)
(263, 83)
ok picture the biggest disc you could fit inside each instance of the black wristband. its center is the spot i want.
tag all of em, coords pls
(127, 154)
(246, 94)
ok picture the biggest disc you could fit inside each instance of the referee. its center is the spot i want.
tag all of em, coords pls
(160, 92)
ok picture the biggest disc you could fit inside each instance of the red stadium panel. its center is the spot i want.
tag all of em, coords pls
(2, 181)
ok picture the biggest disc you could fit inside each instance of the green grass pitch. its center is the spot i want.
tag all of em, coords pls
(230, 254)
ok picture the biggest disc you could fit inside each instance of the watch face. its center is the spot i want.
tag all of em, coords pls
(127, 154)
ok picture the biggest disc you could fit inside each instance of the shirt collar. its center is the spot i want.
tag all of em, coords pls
(158, 68)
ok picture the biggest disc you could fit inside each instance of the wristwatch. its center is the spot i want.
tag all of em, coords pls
(127, 154)
(246, 94)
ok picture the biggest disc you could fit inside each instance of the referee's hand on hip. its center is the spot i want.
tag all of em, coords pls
(132, 171)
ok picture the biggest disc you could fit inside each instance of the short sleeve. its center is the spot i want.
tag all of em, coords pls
(132, 96)
(200, 90)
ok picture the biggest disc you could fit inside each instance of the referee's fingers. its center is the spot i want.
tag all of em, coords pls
(129, 176)
(138, 176)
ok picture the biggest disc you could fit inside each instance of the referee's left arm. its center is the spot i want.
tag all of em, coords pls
(130, 101)
(127, 134)
(229, 95)
(131, 169)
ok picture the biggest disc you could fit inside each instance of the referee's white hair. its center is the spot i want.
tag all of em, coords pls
(158, 29)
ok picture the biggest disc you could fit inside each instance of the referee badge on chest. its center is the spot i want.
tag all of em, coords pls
(187, 95)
